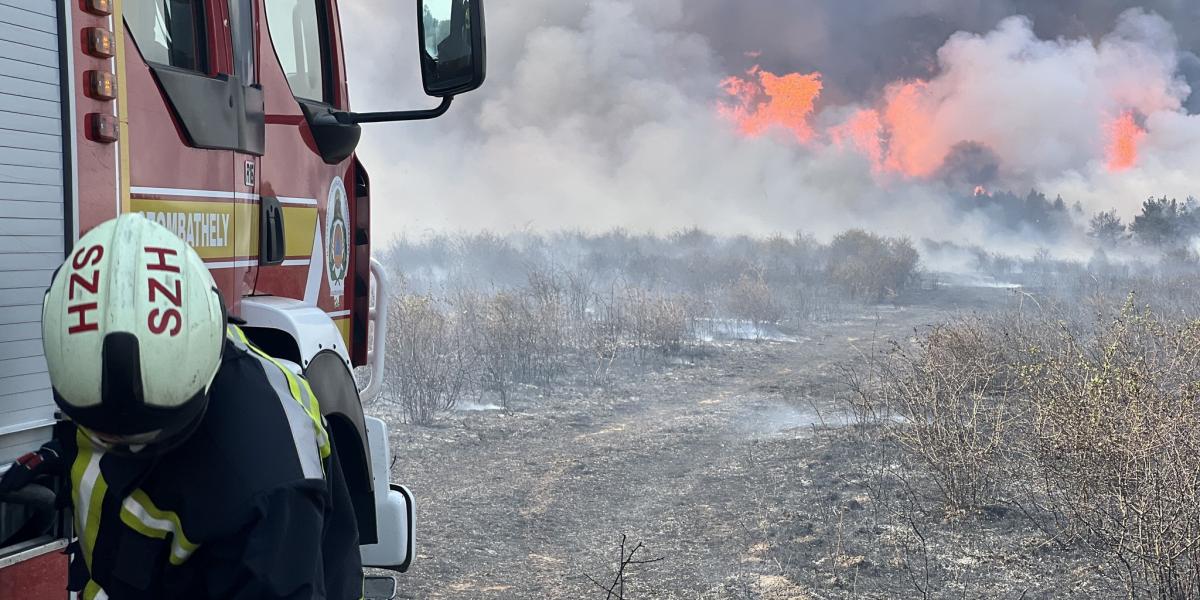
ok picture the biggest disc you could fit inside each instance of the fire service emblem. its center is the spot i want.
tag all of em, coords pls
(337, 236)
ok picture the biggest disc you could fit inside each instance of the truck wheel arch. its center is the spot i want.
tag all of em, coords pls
(307, 337)
(337, 394)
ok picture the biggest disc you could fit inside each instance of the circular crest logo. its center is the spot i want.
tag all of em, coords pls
(337, 240)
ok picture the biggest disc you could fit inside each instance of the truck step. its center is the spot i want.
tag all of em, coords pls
(379, 588)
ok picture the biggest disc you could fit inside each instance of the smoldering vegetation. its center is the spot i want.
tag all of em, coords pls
(1075, 412)
(482, 317)
(1042, 444)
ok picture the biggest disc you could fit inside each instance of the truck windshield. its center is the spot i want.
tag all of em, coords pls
(295, 31)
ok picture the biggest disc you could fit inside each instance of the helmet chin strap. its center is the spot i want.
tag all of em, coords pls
(151, 449)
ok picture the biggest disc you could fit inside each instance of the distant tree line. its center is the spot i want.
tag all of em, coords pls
(1031, 214)
(1164, 224)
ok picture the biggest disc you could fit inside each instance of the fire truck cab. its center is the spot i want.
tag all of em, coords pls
(228, 122)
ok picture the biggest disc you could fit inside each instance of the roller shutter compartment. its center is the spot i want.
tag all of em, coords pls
(32, 212)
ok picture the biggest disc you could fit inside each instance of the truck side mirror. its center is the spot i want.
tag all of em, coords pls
(453, 49)
(453, 61)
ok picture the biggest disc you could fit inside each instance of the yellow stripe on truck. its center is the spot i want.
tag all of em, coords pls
(343, 325)
(228, 230)
(301, 222)
(122, 108)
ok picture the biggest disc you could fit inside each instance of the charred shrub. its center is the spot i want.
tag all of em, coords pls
(945, 402)
(518, 337)
(657, 325)
(430, 363)
(871, 268)
(752, 300)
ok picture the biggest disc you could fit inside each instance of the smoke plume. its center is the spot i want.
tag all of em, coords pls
(657, 116)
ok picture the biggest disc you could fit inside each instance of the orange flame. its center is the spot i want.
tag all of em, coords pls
(911, 150)
(1124, 136)
(899, 136)
(864, 132)
(764, 100)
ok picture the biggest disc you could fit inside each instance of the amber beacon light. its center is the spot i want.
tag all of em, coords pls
(102, 8)
(99, 42)
(101, 85)
(103, 128)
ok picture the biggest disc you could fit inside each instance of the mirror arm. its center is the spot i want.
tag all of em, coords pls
(347, 118)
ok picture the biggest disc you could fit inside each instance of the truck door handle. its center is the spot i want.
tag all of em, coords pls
(271, 232)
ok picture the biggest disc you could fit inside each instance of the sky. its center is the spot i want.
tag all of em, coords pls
(841, 113)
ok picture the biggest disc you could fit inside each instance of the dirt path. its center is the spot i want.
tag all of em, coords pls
(691, 461)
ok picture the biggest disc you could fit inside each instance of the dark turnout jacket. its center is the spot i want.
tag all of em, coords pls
(251, 506)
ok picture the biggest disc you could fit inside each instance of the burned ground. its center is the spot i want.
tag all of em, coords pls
(738, 469)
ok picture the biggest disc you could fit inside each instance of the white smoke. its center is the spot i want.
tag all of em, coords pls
(1040, 105)
(601, 114)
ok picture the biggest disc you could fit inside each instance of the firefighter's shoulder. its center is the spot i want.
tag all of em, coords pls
(250, 429)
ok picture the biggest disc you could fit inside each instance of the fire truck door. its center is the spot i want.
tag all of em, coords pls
(243, 33)
(186, 119)
(312, 184)
(312, 192)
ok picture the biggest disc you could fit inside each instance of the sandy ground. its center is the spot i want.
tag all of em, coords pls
(735, 469)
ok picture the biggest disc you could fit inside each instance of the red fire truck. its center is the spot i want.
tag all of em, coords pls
(227, 121)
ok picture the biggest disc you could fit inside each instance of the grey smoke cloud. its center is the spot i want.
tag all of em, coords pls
(861, 45)
(601, 113)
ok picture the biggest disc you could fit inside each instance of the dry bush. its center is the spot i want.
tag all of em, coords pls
(1092, 429)
(545, 317)
(429, 363)
(657, 326)
(800, 276)
(814, 302)
(605, 330)
(518, 337)
(871, 268)
(945, 402)
(498, 341)
(528, 335)
(751, 299)
(581, 298)
(1115, 440)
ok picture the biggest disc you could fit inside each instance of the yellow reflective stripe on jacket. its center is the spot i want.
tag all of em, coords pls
(93, 591)
(88, 488)
(303, 394)
(313, 408)
(139, 513)
(238, 336)
(298, 388)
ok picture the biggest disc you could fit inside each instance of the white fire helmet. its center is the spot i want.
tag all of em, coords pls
(133, 328)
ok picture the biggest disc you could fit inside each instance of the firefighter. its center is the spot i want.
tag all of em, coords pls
(199, 466)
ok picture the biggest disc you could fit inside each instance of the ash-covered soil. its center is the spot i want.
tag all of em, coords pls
(737, 469)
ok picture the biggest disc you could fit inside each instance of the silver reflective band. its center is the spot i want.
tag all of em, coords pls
(299, 405)
(304, 433)
(139, 512)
